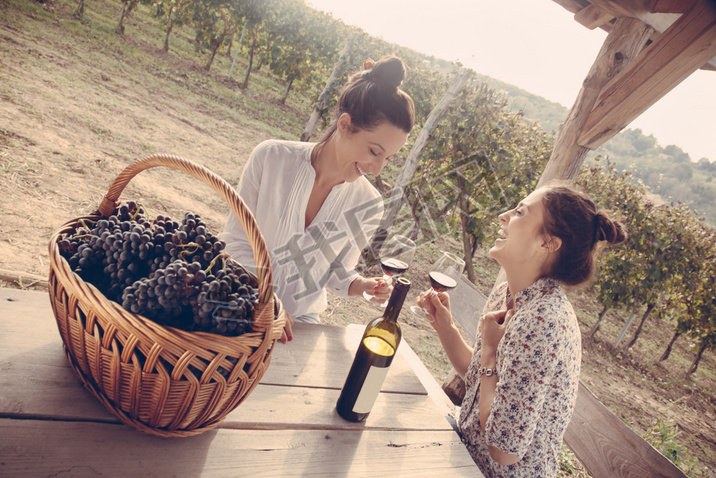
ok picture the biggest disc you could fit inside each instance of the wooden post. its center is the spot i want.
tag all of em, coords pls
(454, 387)
(238, 47)
(621, 46)
(625, 328)
(323, 97)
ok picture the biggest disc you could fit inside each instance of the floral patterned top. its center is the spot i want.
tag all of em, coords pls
(538, 363)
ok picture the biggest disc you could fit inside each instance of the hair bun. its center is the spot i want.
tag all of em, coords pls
(389, 72)
(607, 230)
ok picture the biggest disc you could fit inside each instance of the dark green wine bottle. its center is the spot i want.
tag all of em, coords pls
(375, 353)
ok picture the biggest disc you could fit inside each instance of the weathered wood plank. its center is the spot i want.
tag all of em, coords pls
(658, 14)
(49, 448)
(50, 390)
(646, 10)
(671, 6)
(439, 398)
(467, 302)
(24, 279)
(320, 358)
(682, 49)
(593, 17)
(572, 6)
(323, 358)
(39, 383)
(608, 448)
(276, 407)
(36, 380)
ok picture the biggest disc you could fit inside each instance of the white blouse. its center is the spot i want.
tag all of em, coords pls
(275, 185)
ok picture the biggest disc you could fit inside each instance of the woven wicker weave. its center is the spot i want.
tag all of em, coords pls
(160, 380)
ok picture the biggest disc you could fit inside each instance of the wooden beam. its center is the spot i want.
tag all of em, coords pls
(624, 8)
(593, 17)
(572, 6)
(622, 44)
(609, 448)
(671, 6)
(658, 14)
(686, 46)
(640, 8)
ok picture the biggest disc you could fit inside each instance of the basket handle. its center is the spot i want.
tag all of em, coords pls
(218, 184)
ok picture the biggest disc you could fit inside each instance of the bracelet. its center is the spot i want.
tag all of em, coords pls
(488, 372)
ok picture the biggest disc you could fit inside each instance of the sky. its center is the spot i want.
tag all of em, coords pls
(535, 45)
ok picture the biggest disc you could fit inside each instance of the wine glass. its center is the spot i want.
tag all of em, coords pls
(444, 275)
(396, 254)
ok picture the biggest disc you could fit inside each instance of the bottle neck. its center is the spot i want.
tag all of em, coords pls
(397, 298)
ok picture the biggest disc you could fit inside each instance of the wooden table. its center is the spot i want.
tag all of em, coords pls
(51, 426)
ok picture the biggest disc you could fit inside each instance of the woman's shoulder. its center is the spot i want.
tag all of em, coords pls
(548, 292)
(554, 302)
(281, 150)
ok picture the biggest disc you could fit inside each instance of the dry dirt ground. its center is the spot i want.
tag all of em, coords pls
(68, 127)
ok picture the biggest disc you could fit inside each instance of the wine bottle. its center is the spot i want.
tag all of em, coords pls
(375, 354)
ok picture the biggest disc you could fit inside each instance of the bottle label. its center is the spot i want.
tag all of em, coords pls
(371, 387)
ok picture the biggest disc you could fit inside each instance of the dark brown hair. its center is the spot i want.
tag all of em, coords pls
(572, 217)
(373, 96)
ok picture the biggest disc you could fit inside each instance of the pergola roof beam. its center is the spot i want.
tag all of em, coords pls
(684, 47)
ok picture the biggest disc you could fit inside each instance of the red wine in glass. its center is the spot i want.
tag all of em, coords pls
(443, 277)
(396, 254)
(442, 282)
(393, 267)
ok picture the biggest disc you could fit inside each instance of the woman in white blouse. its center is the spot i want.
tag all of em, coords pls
(523, 374)
(313, 205)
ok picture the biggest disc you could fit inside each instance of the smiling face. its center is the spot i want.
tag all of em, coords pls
(522, 245)
(361, 151)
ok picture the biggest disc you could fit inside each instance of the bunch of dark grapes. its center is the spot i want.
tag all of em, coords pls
(184, 296)
(162, 269)
(189, 241)
(226, 302)
(166, 296)
(111, 253)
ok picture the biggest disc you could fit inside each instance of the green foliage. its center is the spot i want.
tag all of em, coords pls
(669, 258)
(569, 465)
(667, 171)
(304, 44)
(215, 22)
(663, 436)
(480, 160)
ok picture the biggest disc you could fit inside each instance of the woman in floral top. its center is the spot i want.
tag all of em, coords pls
(523, 374)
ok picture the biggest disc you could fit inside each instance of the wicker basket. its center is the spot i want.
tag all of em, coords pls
(161, 380)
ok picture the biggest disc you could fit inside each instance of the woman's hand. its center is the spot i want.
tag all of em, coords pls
(492, 327)
(437, 306)
(287, 329)
(379, 288)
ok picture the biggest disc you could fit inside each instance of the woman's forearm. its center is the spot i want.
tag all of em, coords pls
(457, 350)
(488, 385)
